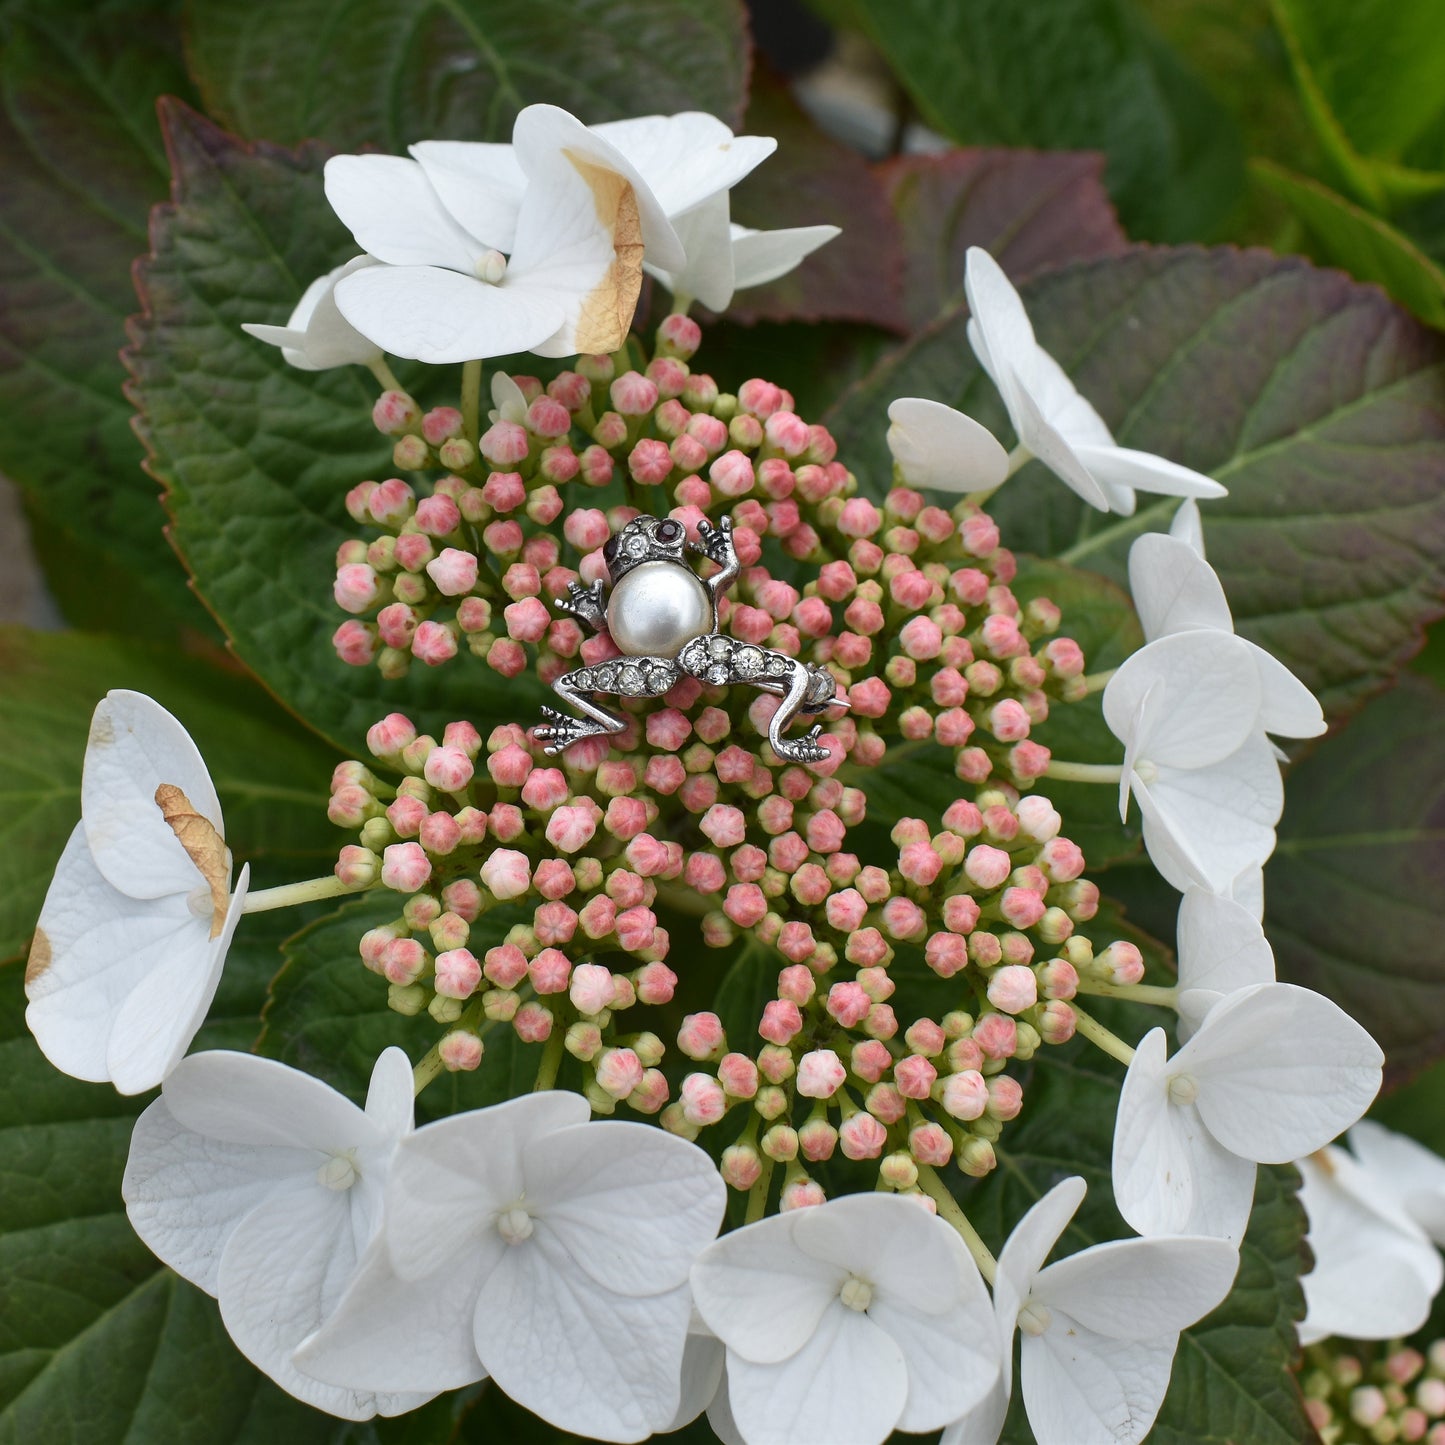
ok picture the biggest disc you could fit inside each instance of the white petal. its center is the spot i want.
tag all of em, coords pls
(1026, 1249)
(1247, 889)
(1221, 948)
(1175, 589)
(1171, 1176)
(242, 1099)
(154, 1027)
(282, 1273)
(389, 206)
(438, 316)
(685, 158)
(581, 1357)
(292, 343)
(936, 446)
(508, 399)
(720, 1416)
(763, 256)
(1281, 1071)
(93, 946)
(389, 1335)
(1039, 435)
(135, 745)
(1082, 1389)
(1138, 1289)
(1415, 1173)
(1203, 693)
(984, 1423)
(480, 184)
(449, 1179)
(998, 314)
(632, 1205)
(328, 339)
(185, 1194)
(547, 141)
(898, 1248)
(952, 1358)
(1206, 826)
(703, 1358)
(706, 236)
(1187, 526)
(1375, 1273)
(759, 1293)
(1287, 707)
(846, 1386)
(391, 1094)
(1144, 472)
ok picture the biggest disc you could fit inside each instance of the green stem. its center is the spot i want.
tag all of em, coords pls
(1084, 772)
(681, 304)
(1134, 992)
(758, 1194)
(1098, 681)
(471, 400)
(950, 1209)
(290, 894)
(384, 375)
(1098, 1035)
(551, 1058)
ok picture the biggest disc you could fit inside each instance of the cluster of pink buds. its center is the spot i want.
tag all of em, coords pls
(1395, 1399)
(687, 814)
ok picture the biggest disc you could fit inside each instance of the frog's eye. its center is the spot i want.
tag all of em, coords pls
(609, 551)
(669, 532)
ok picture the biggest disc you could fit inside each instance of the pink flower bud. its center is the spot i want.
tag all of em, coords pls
(862, 1137)
(781, 1022)
(394, 413)
(458, 974)
(996, 1035)
(817, 1140)
(701, 1036)
(702, 1098)
(1013, 989)
(632, 394)
(903, 919)
(738, 1075)
(402, 961)
(460, 1050)
(848, 1004)
(618, 1072)
(745, 904)
(987, 867)
(506, 874)
(1061, 860)
(965, 1095)
(914, 1076)
(1021, 907)
(796, 984)
(1121, 963)
(405, 867)
(550, 971)
(570, 829)
(1005, 1097)
(820, 1073)
(356, 587)
(801, 1194)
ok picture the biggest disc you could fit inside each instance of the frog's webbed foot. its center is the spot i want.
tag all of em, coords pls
(716, 544)
(585, 603)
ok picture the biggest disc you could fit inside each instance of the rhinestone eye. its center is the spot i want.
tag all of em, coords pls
(669, 531)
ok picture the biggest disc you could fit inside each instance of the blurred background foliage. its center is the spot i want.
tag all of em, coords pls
(1061, 134)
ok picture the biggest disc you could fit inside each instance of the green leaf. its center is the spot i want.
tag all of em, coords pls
(1352, 892)
(1231, 1378)
(1031, 209)
(328, 1015)
(812, 180)
(1342, 234)
(1315, 400)
(272, 778)
(388, 72)
(257, 456)
(1369, 73)
(1070, 74)
(100, 1345)
(80, 165)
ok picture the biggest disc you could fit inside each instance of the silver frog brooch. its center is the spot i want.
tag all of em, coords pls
(663, 618)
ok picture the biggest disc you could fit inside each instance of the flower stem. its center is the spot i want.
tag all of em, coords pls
(1019, 457)
(681, 304)
(1098, 681)
(384, 375)
(471, 400)
(290, 894)
(430, 1065)
(950, 1209)
(551, 1059)
(758, 1194)
(1084, 772)
(1097, 1034)
(1134, 992)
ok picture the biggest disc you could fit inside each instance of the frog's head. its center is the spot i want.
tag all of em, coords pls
(644, 539)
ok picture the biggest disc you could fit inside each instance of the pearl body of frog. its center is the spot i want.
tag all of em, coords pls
(657, 608)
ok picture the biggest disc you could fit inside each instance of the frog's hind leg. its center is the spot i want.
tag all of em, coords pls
(619, 676)
(724, 660)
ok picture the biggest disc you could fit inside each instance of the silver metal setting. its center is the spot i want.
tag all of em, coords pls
(663, 617)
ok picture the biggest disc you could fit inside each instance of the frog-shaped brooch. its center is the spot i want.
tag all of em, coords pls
(663, 618)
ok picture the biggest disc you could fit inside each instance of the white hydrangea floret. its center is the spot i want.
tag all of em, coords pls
(133, 934)
(317, 336)
(262, 1185)
(525, 1243)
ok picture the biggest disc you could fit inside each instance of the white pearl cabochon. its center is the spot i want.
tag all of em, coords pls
(656, 608)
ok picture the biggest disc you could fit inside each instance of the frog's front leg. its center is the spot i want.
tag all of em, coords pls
(585, 603)
(716, 543)
(620, 676)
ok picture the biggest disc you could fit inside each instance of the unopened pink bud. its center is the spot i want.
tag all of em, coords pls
(738, 1075)
(820, 1074)
(801, 1194)
(395, 413)
(903, 919)
(460, 1050)
(506, 874)
(701, 1036)
(405, 867)
(781, 1022)
(862, 1137)
(996, 1035)
(1122, 961)
(914, 1076)
(1057, 1022)
(1021, 907)
(987, 867)
(965, 1095)
(702, 1099)
(618, 1072)
(1005, 1097)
